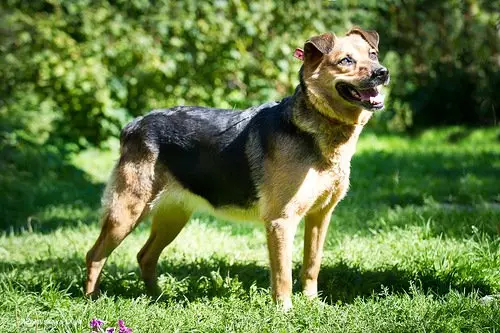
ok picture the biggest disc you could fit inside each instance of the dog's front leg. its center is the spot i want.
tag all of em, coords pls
(280, 234)
(316, 227)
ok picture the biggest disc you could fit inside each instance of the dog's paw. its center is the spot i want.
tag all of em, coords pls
(94, 295)
(284, 305)
(310, 294)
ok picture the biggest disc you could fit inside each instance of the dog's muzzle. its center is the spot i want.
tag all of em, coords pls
(381, 76)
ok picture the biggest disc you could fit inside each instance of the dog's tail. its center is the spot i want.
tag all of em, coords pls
(129, 132)
(133, 174)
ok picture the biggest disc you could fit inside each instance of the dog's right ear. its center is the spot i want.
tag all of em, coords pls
(316, 47)
(371, 37)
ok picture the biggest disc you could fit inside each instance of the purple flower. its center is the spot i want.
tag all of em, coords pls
(123, 328)
(96, 323)
(110, 330)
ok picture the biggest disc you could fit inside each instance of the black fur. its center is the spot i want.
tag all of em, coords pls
(216, 153)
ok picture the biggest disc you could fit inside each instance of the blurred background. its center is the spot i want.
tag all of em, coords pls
(72, 73)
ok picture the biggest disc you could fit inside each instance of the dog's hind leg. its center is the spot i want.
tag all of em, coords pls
(125, 203)
(167, 223)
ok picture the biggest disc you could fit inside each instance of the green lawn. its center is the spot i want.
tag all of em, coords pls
(414, 247)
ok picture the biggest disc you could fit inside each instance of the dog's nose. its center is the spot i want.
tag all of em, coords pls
(381, 72)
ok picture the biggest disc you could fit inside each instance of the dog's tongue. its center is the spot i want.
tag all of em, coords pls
(371, 95)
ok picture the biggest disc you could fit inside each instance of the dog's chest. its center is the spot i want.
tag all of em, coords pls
(333, 182)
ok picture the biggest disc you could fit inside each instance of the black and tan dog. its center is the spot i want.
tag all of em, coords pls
(277, 163)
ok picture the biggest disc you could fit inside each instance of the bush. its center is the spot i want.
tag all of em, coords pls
(76, 71)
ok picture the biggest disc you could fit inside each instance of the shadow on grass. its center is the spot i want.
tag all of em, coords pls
(409, 177)
(206, 279)
(41, 190)
(447, 190)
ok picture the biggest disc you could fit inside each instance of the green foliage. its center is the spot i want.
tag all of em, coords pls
(39, 185)
(78, 70)
(444, 59)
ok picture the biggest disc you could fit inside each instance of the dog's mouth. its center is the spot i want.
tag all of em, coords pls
(370, 98)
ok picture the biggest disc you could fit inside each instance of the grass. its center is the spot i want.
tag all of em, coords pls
(415, 247)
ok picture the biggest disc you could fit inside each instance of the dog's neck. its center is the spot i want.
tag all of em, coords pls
(335, 137)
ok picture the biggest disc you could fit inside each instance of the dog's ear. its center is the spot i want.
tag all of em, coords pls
(370, 36)
(317, 46)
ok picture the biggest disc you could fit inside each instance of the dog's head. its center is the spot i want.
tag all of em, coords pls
(343, 75)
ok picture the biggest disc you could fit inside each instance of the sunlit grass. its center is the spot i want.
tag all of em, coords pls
(414, 247)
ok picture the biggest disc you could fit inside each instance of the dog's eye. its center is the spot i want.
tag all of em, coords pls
(347, 61)
(373, 56)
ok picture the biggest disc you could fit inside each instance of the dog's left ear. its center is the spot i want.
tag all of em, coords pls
(370, 36)
(317, 46)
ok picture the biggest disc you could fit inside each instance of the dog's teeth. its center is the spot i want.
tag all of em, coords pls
(355, 93)
(377, 99)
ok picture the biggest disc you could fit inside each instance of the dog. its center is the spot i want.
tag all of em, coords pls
(277, 163)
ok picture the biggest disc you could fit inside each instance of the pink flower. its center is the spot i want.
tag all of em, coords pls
(96, 324)
(123, 328)
(110, 330)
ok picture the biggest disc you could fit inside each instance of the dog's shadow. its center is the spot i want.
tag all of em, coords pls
(216, 277)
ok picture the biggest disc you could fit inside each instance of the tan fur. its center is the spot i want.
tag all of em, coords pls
(321, 79)
(131, 186)
(292, 188)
